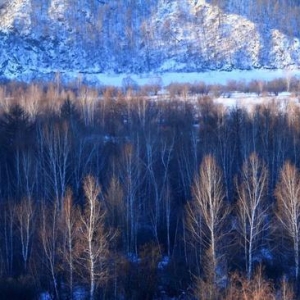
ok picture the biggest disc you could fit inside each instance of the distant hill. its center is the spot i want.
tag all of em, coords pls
(41, 37)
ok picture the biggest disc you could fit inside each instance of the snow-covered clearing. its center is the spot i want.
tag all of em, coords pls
(249, 101)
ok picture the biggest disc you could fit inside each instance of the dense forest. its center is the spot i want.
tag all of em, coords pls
(137, 194)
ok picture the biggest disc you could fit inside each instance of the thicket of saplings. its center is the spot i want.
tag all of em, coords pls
(119, 196)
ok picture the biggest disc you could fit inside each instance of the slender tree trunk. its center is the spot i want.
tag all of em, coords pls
(71, 267)
(296, 251)
(249, 271)
(214, 257)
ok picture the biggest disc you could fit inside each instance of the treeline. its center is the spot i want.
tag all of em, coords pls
(118, 196)
(273, 87)
(290, 84)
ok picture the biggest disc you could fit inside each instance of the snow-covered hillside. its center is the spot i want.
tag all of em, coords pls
(41, 37)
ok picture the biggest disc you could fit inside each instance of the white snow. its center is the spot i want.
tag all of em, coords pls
(167, 37)
(249, 102)
(210, 77)
(13, 13)
(45, 296)
(57, 9)
(163, 262)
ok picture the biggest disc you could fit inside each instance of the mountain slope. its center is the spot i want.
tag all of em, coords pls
(40, 37)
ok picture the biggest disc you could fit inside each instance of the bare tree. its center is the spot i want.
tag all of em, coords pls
(114, 200)
(31, 100)
(93, 242)
(83, 156)
(287, 193)
(207, 213)
(56, 141)
(25, 213)
(245, 288)
(130, 177)
(69, 218)
(286, 290)
(8, 235)
(152, 178)
(48, 234)
(251, 206)
(29, 173)
(87, 100)
(226, 148)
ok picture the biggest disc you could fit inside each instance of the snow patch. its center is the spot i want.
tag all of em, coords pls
(57, 9)
(163, 262)
(13, 13)
(45, 296)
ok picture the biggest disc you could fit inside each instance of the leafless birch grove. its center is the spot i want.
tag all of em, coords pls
(135, 197)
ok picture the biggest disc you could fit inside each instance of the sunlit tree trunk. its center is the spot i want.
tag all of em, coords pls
(207, 213)
(94, 239)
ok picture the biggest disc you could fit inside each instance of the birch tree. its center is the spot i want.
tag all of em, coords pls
(56, 141)
(252, 206)
(207, 213)
(130, 177)
(48, 234)
(69, 229)
(287, 194)
(25, 213)
(94, 239)
(114, 200)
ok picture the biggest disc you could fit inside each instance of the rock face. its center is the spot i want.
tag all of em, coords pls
(42, 37)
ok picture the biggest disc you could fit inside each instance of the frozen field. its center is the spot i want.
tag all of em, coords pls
(210, 77)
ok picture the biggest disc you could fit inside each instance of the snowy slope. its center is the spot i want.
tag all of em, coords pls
(41, 37)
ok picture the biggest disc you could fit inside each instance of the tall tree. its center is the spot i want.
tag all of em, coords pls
(69, 226)
(25, 213)
(48, 234)
(287, 193)
(17, 138)
(130, 178)
(252, 206)
(94, 239)
(55, 140)
(207, 213)
(8, 230)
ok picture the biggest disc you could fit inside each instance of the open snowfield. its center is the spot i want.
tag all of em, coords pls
(250, 101)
